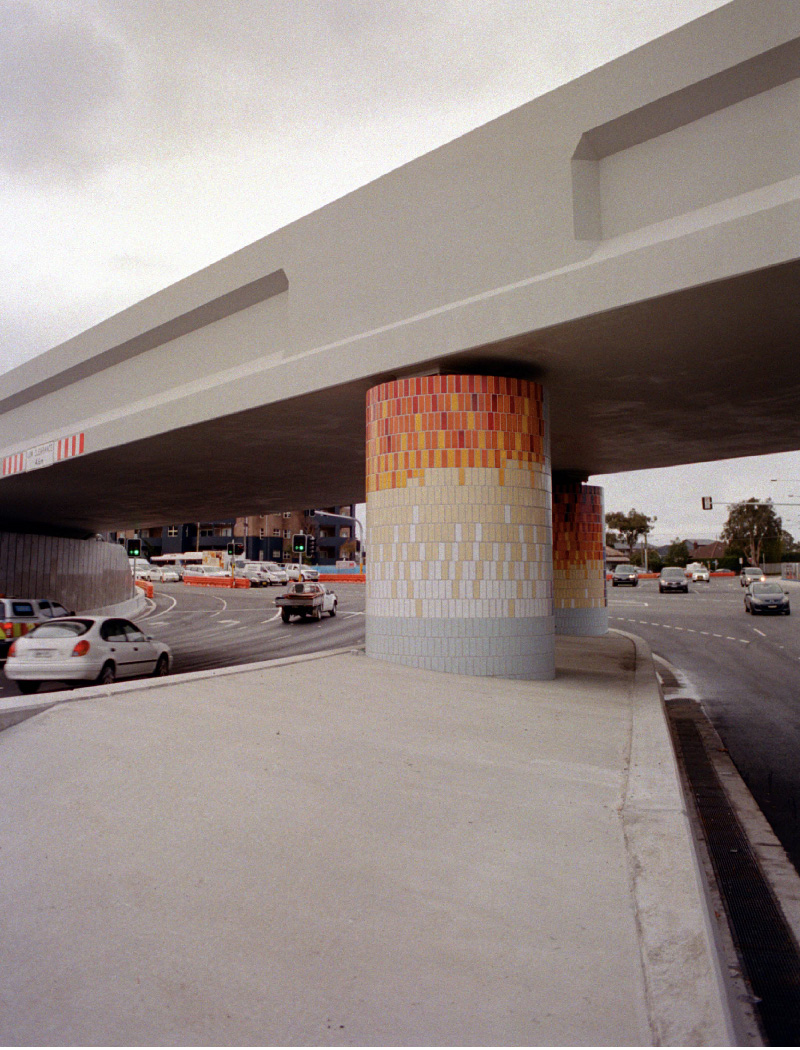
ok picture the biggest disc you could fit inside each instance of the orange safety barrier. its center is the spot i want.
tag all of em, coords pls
(146, 586)
(341, 577)
(215, 581)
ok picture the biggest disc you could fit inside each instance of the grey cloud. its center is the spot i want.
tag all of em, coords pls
(56, 78)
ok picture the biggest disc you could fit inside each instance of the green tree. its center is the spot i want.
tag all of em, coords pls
(678, 553)
(653, 558)
(631, 526)
(751, 525)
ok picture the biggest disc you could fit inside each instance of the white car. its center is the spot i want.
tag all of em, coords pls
(276, 573)
(701, 575)
(162, 574)
(85, 649)
(301, 572)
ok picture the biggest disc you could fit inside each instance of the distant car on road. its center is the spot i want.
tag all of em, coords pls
(766, 598)
(701, 575)
(625, 574)
(752, 574)
(162, 574)
(85, 649)
(301, 572)
(276, 573)
(672, 579)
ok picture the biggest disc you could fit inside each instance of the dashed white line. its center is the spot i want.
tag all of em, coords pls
(761, 633)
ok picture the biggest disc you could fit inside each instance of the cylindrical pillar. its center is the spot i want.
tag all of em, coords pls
(579, 566)
(459, 526)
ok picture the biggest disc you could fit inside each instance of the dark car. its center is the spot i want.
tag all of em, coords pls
(673, 579)
(625, 574)
(766, 598)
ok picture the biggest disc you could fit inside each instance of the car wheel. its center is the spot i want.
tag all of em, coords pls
(285, 615)
(162, 666)
(317, 613)
(333, 609)
(28, 687)
(107, 675)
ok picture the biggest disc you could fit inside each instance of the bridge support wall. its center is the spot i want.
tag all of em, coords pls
(579, 576)
(459, 526)
(81, 574)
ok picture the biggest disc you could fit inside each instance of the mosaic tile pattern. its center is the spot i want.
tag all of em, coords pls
(459, 523)
(579, 577)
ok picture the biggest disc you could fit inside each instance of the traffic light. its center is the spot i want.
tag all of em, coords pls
(311, 546)
(299, 543)
(231, 548)
(134, 548)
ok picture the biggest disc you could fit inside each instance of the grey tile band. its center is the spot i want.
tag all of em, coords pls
(587, 623)
(515, 648)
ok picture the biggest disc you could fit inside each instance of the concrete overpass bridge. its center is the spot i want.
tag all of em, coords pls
(615, 264)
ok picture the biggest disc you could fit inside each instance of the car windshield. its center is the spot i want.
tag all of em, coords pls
(672, 574)
(767, 588)
(61, 629)
(625, 568)
(752, 572)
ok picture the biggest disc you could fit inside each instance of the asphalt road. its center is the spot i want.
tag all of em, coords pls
(744, 670)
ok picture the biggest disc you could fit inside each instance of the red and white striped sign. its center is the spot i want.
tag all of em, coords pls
(14, 464)
(68, 447)
(43, 455)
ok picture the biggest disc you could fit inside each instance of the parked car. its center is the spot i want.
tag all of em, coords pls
(18, 616)
(306, 599)
(301, 572)
(766, 598)
(277, 573)
(253, 572)
(672, 579)
(625, 574)
(752, 574)
(85, 649)
(162, 574)
(205, 570)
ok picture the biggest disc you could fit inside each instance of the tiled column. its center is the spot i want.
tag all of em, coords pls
(579, 569)
(459, 526)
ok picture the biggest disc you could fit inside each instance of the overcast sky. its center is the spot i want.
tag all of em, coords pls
(144, 139)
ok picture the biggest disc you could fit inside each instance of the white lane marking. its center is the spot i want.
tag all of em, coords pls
(158, 623)
(224, 604)
(232, 622)
(155, 611)
(361, 613)
(760, 632)
(272, 619)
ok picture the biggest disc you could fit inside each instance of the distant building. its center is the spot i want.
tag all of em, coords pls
(707, 551)
(262, 537)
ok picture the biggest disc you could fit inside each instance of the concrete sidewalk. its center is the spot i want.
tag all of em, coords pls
(338, 851)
